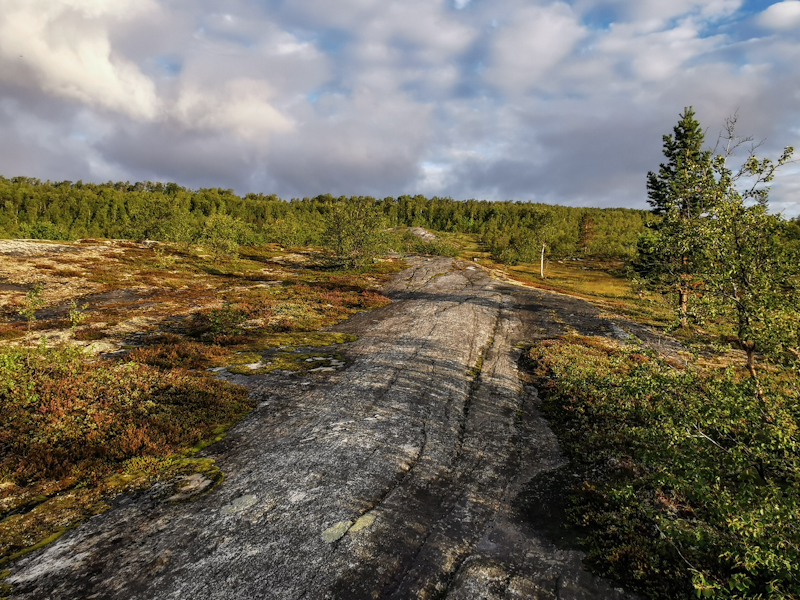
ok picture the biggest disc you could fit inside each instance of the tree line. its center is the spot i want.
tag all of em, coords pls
(512, 231)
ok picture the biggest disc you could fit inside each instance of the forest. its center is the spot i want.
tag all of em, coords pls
(512, 231)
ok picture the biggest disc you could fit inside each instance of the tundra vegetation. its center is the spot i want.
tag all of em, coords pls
(104, 367)
(688, 463)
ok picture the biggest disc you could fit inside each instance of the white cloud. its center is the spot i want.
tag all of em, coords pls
(504, 99)
(782, 16)
(241, 106)
(63, 48)
(720, 8)
(655, 56)
(537, 40)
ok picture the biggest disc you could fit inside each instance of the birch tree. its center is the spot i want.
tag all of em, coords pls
(749, 269)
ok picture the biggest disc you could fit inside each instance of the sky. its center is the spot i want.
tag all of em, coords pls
(561, 102)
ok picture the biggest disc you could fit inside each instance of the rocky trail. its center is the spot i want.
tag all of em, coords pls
(423, 469)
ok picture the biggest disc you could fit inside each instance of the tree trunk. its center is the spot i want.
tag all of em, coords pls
(684, 307)
(750, 350)
(541, 264)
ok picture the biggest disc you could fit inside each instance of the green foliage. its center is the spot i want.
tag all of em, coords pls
(692, 480)
(43, 230)
(717, 247)
(161, 217)
(77, 315)
(680, 193)
(287, 233)
(222, 234)
(586, 232)
(168, 212)
(33, 302)
(354, 231)
(682, 184)
(750, 278)
(226, 320)
(407, 242)
(517, 243)
(666, 257)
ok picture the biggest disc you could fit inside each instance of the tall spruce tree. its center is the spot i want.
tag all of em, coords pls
(679, 193)
(680, 184)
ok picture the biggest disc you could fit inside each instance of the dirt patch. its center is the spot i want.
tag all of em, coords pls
(13, 287)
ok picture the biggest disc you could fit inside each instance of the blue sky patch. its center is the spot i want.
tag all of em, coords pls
(600, 18)
(170, 65)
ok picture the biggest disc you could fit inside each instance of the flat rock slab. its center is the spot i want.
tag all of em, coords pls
(400, 476)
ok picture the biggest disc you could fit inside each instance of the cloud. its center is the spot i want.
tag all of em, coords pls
(241, 106)
(509, 99)
(654, 56)
(63, 49)
(534, 42)
(372, 146)
(782, 16)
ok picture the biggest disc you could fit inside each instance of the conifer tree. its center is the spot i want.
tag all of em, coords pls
(680, 183)
(679, 193)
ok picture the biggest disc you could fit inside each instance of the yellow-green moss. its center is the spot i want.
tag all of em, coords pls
(5, 588)
(51, 538)
(362, 522)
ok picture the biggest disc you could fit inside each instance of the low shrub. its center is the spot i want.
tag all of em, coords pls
(73, 433)
(692, 479)
(169, 352)
(407, 242)
(62, 417)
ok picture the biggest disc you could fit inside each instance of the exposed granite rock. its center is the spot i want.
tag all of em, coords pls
(412, 473)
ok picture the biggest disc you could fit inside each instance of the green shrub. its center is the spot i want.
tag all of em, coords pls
(44, 230)
(692, 480)
(410, 243)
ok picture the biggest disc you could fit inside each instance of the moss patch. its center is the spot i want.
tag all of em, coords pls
(362, 523)
(311, 339)
(336, 532)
